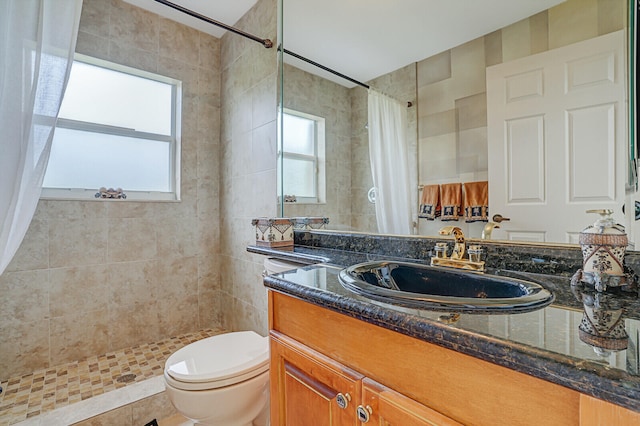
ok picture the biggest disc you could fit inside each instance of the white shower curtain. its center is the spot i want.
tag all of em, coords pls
(388, 153)
(37, 42)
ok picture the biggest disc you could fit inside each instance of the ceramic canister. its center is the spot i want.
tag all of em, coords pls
(603, 248)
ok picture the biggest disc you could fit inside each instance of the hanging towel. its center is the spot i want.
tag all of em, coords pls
(429, 202)
(476, 201)
(451, 199)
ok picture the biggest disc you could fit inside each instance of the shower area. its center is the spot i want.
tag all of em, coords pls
(101, 292)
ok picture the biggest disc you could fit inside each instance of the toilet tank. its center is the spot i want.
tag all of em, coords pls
(274, 265)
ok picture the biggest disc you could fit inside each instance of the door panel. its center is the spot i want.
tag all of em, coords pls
(390, 408)
(557, 139)
(310, 387)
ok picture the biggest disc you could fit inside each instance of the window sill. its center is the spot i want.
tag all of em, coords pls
(56, 194)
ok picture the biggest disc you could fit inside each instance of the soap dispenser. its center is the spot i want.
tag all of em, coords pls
(603, 248)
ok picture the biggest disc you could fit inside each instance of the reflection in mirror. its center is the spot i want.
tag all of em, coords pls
(453, 123)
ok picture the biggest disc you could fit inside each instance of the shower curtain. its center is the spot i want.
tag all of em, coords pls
(388, 154)
(37, 43)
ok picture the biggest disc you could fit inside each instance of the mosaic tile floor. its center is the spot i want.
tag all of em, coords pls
(47, 389)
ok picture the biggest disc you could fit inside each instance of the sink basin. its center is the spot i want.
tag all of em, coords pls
(436, 288)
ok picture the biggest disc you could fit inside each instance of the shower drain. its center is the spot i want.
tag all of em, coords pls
(126, 378)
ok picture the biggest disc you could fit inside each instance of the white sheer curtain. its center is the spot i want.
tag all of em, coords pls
(388, 153)
(37, 42)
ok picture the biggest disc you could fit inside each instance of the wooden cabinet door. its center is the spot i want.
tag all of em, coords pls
(386, 407)
(595, 412)
(310, 389)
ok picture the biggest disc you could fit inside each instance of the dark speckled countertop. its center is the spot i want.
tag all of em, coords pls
(545, 343)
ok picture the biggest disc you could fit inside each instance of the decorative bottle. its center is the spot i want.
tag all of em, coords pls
(603, 248)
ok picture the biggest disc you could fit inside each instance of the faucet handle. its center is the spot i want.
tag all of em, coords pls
(475, 253)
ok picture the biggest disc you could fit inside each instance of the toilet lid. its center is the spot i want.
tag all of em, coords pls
(220, 357)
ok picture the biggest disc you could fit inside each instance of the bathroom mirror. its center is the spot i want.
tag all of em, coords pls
(435, 54)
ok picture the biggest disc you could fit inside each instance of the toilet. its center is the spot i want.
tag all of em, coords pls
(221, 380)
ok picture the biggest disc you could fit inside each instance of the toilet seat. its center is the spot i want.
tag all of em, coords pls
(218, 361)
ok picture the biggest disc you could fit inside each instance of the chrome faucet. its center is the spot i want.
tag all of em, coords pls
(457, 259)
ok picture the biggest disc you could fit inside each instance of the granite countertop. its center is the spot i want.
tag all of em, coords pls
(545, 343)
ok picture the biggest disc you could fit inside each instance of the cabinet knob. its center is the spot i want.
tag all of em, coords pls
(364, 413)
(343, 400)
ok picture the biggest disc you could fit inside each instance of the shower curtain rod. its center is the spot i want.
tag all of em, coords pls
(334, 72)
(265, 42)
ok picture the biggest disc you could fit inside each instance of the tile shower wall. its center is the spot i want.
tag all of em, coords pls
(248, 176)
(308, 93)
(96, 276)
(452, 121)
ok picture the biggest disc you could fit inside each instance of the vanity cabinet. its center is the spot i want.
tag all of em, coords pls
(318, 354)
(311, 389)
(308, 388)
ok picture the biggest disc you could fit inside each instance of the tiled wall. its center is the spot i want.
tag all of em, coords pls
(248, 175)
(452, 119)
(95, 276)
(308, 93)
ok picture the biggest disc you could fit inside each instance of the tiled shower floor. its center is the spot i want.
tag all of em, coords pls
(47, 389)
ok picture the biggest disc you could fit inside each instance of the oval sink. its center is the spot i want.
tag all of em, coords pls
(436, 288)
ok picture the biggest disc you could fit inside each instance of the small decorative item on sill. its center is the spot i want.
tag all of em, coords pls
(116, 194)
(307, 223)
(273, 232)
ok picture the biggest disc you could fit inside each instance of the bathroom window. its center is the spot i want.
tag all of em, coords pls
(303, 155)
(118, 128)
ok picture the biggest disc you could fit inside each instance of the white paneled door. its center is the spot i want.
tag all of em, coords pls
(557, 139)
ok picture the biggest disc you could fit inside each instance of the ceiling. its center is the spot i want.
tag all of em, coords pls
(366, 38)
(225, 11)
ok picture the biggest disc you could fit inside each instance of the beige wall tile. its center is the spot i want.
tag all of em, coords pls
(25, 347)
(539, 28)
(179, 42)
(612, 15)
(133, 285)
(123, 53)
(132, 239)
(434, 69)
(178, 316)
(516, 40)
(135, 27)
(79, 289)
(493, 48)
(438, 124)
(129, 325)
(79, 335)
(92, 45)
(471, 112)
(77, 242)
(472, 151)
(24, 296)
(33, 253)
(572, 21)
(154, 407)
(177, 237)
(95, 18)
(66, 209)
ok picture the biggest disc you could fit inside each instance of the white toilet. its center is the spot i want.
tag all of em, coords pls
(221, 380)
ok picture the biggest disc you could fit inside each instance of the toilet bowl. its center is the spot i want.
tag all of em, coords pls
(221, 380)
